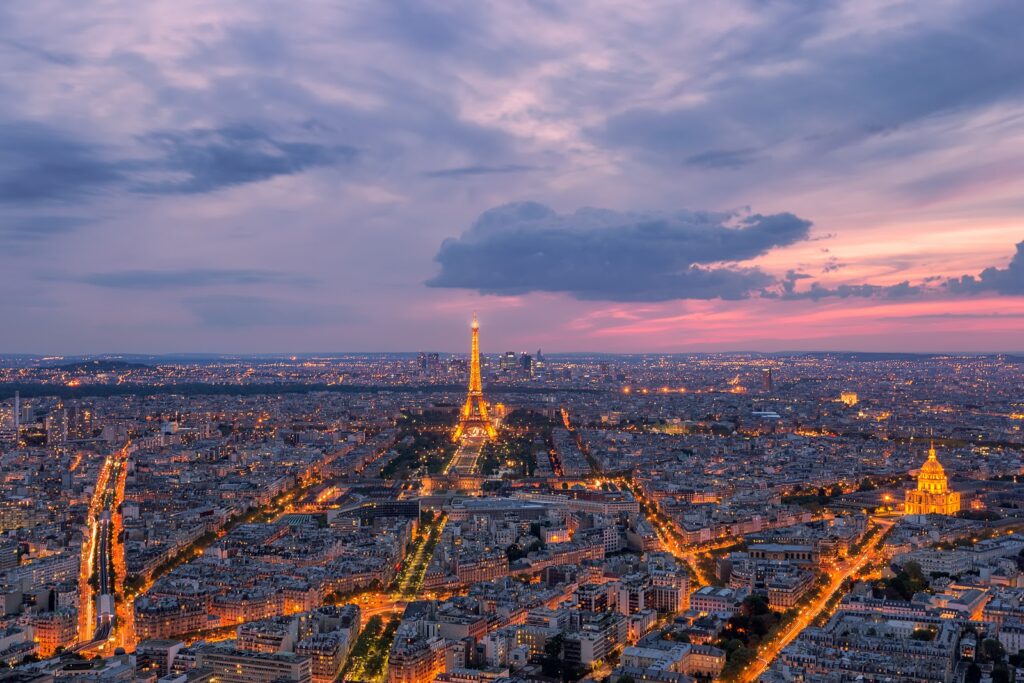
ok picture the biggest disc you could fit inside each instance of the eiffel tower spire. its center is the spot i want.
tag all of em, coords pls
(474, 421)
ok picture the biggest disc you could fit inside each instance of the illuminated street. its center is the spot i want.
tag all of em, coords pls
(848, 569)
(512, 342)
(105, 620)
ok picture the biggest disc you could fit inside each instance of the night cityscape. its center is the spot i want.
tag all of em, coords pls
(518, 342)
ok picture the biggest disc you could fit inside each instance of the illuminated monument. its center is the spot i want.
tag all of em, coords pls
(474, 421)
(932, 495)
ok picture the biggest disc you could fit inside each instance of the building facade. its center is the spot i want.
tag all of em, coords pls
(932, 495)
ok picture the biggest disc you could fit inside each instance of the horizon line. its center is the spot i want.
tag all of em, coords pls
(786, 352)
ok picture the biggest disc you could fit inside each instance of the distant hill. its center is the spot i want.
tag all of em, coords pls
(100, 366)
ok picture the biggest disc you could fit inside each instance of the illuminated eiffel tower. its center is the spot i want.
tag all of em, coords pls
(474, 421)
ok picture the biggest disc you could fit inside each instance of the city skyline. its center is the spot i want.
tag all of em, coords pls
(641, 178)
(531, 341)
(388, 518)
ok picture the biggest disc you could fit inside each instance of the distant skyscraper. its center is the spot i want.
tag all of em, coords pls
(767, 382)
(430, 363)
(526, 363)
(79, 422)
(57, 426)
(508, 361)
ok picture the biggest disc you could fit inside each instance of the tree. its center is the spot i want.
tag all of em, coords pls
(913, 570)
(678, 636)
(551, 662)
(754, 605)
(553, 648)
(992, 649)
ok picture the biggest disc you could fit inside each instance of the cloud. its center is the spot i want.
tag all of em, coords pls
(1008, 281)
(832, 264)
(39, 163)
(811, 94)
(253, 311)
(960, 316)
(462, 171)
(52, 56)
(31, 229)
(723, 158)
(817, 291)
(189, 278)
(608, 255)
(204, 160)
(786, 289)
(420, 27)
(229, 126)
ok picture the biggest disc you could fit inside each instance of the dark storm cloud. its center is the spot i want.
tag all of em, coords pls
(832, 93)
(462, 171)
(255, 311)
(607, 255)
(189, 278)
(1008, 281)
(39, 163)
(213, 159)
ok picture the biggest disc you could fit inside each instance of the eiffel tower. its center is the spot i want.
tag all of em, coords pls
(474, 421)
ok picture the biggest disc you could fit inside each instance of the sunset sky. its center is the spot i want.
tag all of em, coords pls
(250, 176)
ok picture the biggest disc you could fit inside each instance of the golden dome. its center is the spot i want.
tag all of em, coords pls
(933, 495)
(932, 477)
(932, 464)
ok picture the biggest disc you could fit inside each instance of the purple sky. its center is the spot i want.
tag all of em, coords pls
(248, 176)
